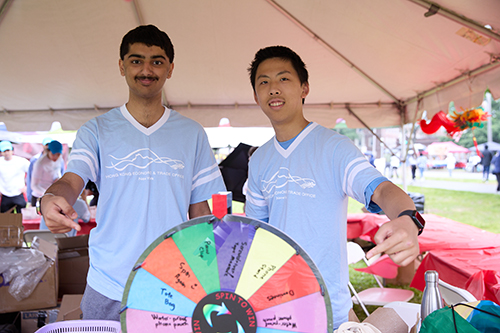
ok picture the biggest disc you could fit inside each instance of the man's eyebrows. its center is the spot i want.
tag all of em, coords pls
(140, 56)
(158, 56)
(136, 56)
(278, 74)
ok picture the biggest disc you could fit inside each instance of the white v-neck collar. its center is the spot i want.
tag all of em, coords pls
(139, 126)
(286, 152)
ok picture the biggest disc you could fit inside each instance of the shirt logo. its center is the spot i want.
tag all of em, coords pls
(141, 159)
(282, 178)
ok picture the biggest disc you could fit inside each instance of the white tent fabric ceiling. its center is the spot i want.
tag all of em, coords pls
(377, 62)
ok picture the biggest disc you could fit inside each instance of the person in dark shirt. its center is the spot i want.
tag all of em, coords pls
(486, 162)
(496, 170)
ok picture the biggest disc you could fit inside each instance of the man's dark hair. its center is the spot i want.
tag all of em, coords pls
(281, 52)
(149, 35)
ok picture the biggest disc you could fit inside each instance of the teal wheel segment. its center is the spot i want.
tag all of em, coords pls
(149, 293)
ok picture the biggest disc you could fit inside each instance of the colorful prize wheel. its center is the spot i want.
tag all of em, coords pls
(232, 275)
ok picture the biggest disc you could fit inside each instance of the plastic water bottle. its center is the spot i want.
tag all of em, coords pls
(431, 299)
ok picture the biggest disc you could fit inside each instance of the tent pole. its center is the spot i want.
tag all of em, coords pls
(3, 9)
(404, 151)
(367, 127)
(138, 12)
(487, 108)
(331, 48)
(464, 76)
(410, 137)
(461, 19)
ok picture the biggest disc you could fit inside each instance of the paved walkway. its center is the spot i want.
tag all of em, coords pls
(459, 182)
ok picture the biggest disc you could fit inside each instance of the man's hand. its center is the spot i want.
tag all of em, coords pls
(58, 214)
(57, 209)
(399, 239)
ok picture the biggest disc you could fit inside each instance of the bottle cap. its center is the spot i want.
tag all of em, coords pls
(431, 276)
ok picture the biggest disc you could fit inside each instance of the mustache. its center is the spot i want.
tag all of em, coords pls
(146, 77)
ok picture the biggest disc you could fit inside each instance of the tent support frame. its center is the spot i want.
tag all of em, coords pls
(320, 40)
(367, 127)
(464, 76)
(4, 8)
(443, 11)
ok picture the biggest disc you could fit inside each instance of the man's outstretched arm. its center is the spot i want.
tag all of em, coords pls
(57, 203)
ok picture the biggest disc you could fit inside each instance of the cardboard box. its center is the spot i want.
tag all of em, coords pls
(70, 308)
(45, 293)
(73, 259)
(387, 321)
(11, 230)
(32, 320)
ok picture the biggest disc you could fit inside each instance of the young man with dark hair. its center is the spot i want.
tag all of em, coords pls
(152, 166)
(301, 179)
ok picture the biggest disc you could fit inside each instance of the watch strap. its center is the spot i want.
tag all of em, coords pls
(412, 214)
(39, 203)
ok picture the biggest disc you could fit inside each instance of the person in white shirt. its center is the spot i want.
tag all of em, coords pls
(450, 163)
(12, 178)
(394, 166)
(29, 193)
(47, 169)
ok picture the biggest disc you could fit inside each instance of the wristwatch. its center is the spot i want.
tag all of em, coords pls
(39, 203)
(416, 218)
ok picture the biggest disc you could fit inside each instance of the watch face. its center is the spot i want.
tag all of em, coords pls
(420, 219)
(37, 207)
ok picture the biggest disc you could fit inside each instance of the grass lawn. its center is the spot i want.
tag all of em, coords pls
(477, 209)
(448, 179)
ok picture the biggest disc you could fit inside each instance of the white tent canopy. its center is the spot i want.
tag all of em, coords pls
(374, 62)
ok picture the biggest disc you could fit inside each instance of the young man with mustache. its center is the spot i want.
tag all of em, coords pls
(301, 179)
(152, 166)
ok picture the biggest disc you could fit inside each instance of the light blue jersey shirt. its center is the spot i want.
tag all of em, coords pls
(147, 178)
(303, 190)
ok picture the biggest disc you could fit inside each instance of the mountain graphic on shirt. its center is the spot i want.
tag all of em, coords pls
(141, 158)
(283, 177)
